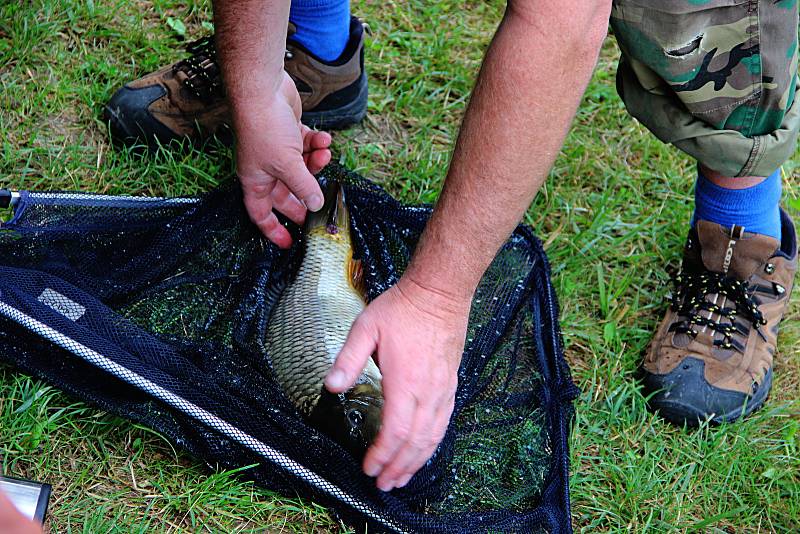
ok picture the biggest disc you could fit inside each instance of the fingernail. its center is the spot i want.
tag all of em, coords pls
(386, 486)
(336, 380)
(314, 202)
(401, 483)
(372, 470)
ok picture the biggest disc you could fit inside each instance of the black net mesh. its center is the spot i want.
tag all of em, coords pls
(156, 310)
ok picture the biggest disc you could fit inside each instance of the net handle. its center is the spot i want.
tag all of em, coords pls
(8, 198)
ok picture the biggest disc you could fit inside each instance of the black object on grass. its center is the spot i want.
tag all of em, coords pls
(156, 310)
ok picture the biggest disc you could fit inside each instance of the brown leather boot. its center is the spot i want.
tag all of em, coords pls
(186, 100)
(712, 354)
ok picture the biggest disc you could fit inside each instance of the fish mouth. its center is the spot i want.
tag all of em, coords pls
(352, 419)
(333, 219)
(363, 411)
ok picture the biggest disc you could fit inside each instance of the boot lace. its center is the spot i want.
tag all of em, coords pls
(201, 69)
(203, 75)
(690, 300)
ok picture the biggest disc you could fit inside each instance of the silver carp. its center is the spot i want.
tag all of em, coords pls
(310, 323)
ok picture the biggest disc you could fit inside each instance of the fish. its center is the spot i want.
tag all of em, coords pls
(310, 323)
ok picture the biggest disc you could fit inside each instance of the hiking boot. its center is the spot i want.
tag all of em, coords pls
(187, 100)
(712, 354)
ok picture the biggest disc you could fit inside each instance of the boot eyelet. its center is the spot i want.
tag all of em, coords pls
(779, 289)
(769, 268)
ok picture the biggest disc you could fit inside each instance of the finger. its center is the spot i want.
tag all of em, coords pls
(285, 202)
(257, 198)
(441, 423)
(316, 160)
(299, 180)
(397, 422)
(320, 140)
(259, 206)
(357, 349)
(314, 140)
(271, 227)
(428, 433)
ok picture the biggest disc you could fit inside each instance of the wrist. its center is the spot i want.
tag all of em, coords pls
(431, 292)
(250, 104)
(441, 267)
(255, 113)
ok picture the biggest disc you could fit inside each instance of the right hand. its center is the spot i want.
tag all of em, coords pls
(276, 157)
(417, 335)
(12, 521)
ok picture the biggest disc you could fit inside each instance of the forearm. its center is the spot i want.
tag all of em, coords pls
(275, 154)
(529, 87)
(251, 40)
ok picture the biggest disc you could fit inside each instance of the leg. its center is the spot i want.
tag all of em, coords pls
(185, 101)
(718, 81)
(323, 26)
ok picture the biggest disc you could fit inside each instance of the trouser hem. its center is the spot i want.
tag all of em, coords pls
(728, 152)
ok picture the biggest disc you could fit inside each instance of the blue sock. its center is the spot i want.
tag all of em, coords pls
(755, 208)
(323, 26)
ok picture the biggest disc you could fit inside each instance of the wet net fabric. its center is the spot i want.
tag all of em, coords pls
(156, 310)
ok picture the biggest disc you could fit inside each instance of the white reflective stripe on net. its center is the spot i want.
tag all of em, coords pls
(110, 200)
(205, 417)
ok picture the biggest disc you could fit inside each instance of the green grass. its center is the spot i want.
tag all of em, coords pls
(613, 215)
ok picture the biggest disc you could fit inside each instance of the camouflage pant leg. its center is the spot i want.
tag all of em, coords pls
(716, 78)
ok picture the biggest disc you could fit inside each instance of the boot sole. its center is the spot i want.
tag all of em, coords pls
(341, 117)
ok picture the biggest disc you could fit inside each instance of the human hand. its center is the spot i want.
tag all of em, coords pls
(276, 157)
(417, 335)
(12, 521)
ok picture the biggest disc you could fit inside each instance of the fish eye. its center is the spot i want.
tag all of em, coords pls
(355, 418)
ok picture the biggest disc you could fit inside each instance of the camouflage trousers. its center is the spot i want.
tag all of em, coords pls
(716, 78)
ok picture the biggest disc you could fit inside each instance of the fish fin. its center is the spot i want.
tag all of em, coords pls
(356, 273)
(273, 292)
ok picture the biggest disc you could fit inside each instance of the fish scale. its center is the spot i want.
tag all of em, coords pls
(312, 318)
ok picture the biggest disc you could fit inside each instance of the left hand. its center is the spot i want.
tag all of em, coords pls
(276, 158)
(417, 335)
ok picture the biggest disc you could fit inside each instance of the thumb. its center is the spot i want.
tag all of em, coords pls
(357, 349)
(302, 183)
